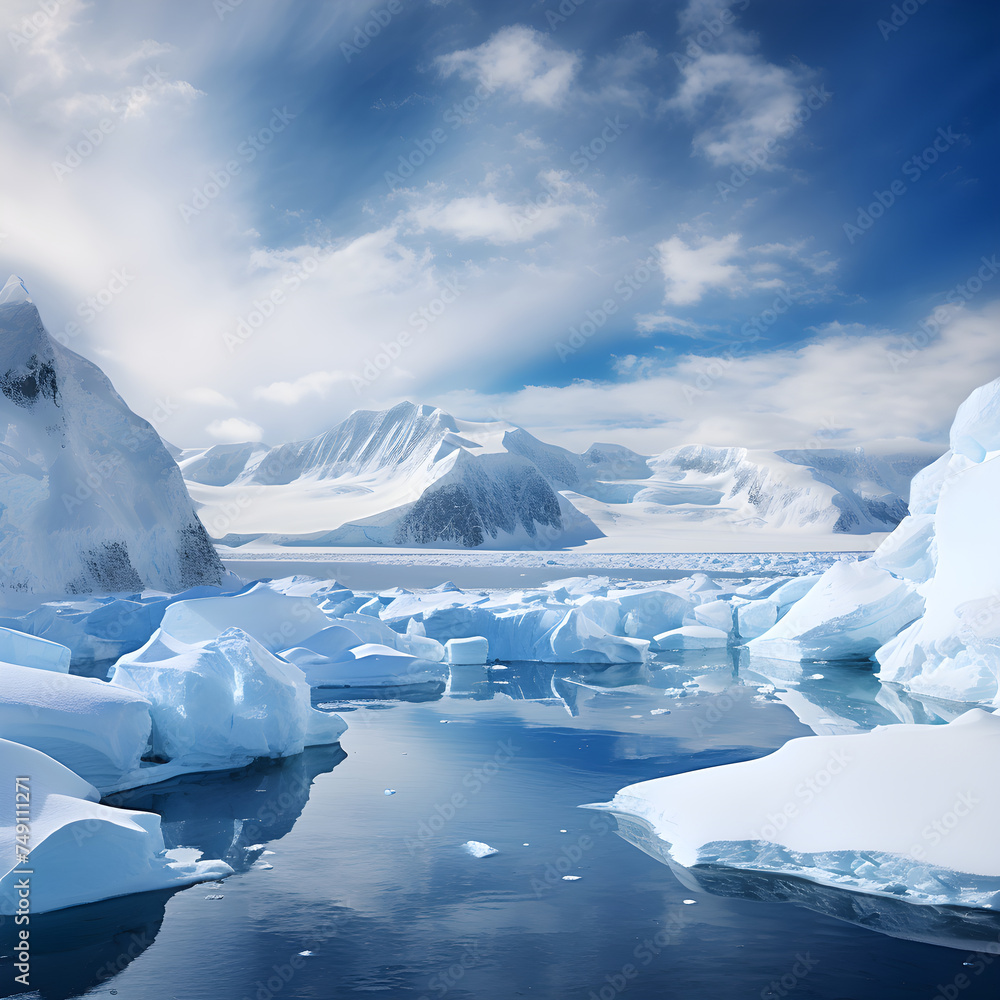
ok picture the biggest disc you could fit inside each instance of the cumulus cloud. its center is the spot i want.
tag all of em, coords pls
(292, 393)
(234, 429)
(738, 100)
(519, 60)
(693, 269)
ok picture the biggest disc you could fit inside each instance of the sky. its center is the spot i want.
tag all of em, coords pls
(770, 224)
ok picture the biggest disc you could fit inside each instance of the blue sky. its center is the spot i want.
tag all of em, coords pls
(611, 220)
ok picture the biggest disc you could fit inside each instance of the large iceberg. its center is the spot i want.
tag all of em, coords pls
(906, 811)
(90, 499)
(926, 604)
(223, 701)
(78, 850)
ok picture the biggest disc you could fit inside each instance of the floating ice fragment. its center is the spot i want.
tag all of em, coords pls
(688, 902)
(571, 878)
(478, 849)
(659, 711)
(389, 791)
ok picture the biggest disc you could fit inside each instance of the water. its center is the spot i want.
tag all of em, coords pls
(378, 890)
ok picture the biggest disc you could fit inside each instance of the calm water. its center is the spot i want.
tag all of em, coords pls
(378, 890)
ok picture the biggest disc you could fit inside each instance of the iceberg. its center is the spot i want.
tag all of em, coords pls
(224, 701)
(81, 851)
(90, 499)
(473, 651)
(926, 605)
(691, 637)
(906, 811)
(848, 614)
(31, 651)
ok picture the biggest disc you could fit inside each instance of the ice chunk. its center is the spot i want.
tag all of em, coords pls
(478, 849)
(81, 851)
(910, 552)
(715, 614)
(976, 429)
(691, 637)
(906, 811)
(852, 610)
(473, 651)
(30, 651)
(224, 701)
(100, 730)
(757, 617)
(366, 665)
(272, 619)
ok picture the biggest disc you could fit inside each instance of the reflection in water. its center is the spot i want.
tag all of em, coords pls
(946, 926)
(842, 697)
(74, 950)
(231, 815)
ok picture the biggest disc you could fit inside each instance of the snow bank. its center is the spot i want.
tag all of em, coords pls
(223, 701)
(81, 851)
(905, 811)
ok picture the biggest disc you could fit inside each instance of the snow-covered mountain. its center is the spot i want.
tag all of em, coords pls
(417, 476)
(90, 499)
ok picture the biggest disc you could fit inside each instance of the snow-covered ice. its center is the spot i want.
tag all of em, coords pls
(473, 651)
(908, 811)
(478, 849)
(80, 850)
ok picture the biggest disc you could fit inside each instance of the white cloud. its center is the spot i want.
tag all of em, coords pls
(234, 429)
(486, 217)
(205, 396)
(646, 323)
(519, 60)
(738, 100)
(291, 393)
(851, 386)
(707, 264)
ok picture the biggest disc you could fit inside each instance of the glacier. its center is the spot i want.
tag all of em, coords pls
(90, 499)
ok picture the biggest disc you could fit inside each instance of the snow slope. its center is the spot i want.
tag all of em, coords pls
(90, 499)
(415, 476)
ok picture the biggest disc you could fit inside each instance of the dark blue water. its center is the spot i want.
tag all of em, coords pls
(379, 891)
